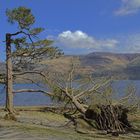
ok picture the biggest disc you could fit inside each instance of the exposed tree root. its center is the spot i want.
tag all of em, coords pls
(111, 118)
(10, 116)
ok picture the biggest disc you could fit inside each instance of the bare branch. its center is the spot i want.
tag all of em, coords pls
(22, 32)
(34, 90)
(94, 88)
(30, 72)
(17, 33)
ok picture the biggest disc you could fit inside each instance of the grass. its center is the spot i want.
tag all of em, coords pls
(60, 132)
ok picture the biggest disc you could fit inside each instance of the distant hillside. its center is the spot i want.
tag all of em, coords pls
(101, 64)
(118, 66)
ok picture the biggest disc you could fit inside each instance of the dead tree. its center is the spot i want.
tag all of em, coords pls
(78, 95)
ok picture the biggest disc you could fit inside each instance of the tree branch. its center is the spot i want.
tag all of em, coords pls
(30, 72)
(14, 34)
(22, 32)
(34, 90)
(94, 88)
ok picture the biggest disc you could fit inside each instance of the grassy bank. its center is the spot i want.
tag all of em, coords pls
(35, 124)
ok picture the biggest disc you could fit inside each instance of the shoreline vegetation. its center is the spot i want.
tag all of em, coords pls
(47, 123)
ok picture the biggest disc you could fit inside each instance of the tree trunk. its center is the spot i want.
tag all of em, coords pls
(79, 106)
(9, 79)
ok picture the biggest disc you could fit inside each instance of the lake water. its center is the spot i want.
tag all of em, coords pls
(25, 99)
(32, 99)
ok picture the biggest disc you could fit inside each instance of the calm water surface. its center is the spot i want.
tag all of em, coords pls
(30, 99)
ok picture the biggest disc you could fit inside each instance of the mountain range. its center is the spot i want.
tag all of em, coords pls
(99, 64)
(118, 66)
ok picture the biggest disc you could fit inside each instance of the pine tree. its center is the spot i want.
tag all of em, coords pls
(24, 47)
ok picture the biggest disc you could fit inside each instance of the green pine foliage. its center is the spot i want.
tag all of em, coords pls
(26, 44)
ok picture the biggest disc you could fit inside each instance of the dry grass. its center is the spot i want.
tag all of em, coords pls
(36, 125)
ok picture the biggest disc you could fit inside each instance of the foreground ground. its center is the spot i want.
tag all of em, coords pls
(36, 125)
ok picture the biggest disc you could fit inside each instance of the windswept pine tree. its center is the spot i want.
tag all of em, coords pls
(24, 47)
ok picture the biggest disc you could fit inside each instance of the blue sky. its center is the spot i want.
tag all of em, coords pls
(82, 26)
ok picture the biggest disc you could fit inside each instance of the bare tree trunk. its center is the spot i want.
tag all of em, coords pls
(9, 80)
(79, 106)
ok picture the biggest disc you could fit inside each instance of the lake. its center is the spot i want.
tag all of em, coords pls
(38, 99)
(26, 99)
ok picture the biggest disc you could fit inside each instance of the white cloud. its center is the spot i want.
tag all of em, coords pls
(128, 7)
(79, 39)
(78, 42)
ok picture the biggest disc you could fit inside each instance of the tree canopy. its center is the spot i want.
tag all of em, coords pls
(27, 46)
